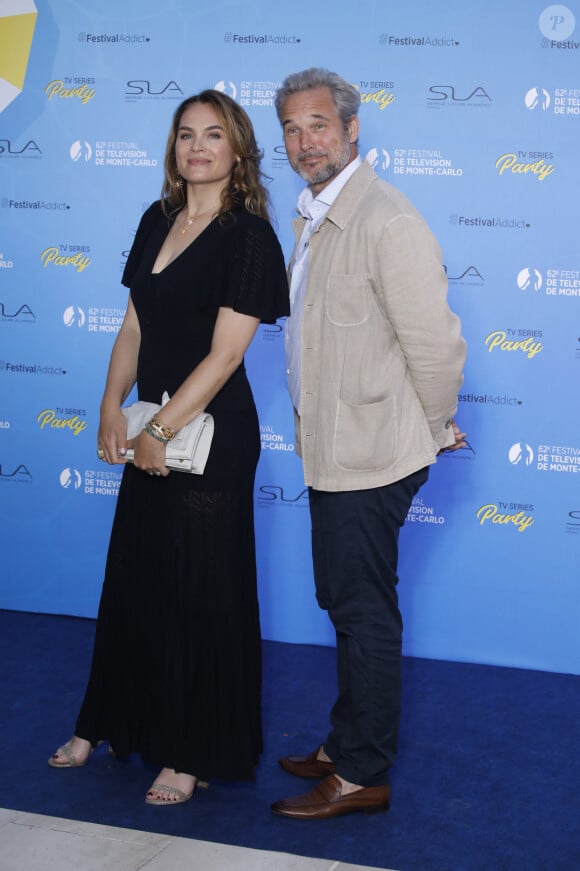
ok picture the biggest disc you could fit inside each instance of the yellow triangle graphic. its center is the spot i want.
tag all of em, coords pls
(15, 40)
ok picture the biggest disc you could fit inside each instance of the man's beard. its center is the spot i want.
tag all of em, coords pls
(323, 173)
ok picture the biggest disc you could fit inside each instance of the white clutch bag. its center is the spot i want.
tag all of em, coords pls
(188, 451)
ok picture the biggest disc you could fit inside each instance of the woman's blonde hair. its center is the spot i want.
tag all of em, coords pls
(245, 187)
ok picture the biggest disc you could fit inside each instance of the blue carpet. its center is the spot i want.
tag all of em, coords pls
(487, 776)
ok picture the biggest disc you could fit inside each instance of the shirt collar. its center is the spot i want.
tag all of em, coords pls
(308, 205)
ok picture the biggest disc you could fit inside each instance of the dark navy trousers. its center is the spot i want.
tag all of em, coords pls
(355, 537)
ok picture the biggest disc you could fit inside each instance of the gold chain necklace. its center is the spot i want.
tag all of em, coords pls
(187, 224)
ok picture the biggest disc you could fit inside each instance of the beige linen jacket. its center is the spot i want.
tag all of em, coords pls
(382, 353)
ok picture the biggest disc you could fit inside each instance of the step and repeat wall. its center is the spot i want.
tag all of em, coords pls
(473, 110)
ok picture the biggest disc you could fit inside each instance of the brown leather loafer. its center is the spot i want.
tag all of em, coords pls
(326, 800)
(307, 766)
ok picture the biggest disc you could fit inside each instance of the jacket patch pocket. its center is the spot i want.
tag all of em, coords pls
(365, 436)
(348, 299)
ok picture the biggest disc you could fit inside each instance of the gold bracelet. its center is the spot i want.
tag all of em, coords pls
(167, 433)
(154, 435)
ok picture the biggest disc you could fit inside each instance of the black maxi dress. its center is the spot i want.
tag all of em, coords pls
(176, 671)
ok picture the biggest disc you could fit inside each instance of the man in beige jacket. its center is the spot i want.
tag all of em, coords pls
(375, 359)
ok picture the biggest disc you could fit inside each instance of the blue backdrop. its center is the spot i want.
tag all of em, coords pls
(473, 110)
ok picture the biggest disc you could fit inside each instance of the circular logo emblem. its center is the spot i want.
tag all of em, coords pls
(227, 88)
(557, 22)
(530, 279)
(81, 151)
(521, 454)
(74, 315)
(70, 479)
(379, 159)
(538, 98)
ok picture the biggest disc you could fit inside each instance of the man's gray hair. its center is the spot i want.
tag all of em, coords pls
(345, 96)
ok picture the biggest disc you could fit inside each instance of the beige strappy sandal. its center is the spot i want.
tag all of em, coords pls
(70, 760)
(174, 795)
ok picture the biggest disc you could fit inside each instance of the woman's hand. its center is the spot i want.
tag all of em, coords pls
(112, 436)
(149, 454)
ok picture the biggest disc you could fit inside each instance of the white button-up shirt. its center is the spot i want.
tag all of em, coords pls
(314, 210)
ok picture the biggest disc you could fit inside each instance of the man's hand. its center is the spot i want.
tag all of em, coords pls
(459, 439)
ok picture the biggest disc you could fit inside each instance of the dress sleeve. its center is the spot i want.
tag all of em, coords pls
(149, 221)
(256, 282)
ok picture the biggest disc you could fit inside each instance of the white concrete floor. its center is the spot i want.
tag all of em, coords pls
(32, 842)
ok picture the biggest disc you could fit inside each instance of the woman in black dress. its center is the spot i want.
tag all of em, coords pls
(176, 672)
